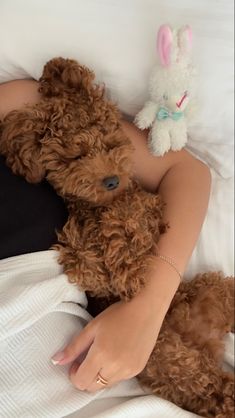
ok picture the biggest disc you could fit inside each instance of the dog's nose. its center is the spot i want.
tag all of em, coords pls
(111, 183)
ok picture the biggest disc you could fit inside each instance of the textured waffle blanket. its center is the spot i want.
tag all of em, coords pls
(39, 313)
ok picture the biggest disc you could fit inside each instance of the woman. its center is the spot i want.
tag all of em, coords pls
(119, 341)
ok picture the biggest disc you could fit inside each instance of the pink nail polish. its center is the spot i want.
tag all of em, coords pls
(58, 357)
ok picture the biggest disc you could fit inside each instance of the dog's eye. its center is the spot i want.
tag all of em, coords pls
(78, 157)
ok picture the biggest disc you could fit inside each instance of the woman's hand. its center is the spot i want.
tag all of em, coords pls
(117, 343)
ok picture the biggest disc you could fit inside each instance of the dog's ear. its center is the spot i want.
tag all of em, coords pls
(61, 74)
(21, 148)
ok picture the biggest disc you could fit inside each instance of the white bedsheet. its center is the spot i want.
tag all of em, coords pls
(39, 313)
(215, 247)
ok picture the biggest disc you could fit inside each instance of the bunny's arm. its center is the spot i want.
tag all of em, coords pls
(146, 116)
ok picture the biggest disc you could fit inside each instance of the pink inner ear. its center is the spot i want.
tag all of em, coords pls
(164, 42)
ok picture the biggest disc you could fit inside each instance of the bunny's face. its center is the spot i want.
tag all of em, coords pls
(177, 102)
(171, 87)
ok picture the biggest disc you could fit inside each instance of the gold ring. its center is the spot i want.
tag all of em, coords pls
(101, 381)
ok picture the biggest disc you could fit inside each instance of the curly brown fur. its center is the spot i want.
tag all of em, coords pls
(73, 137)
(108, 249)
(185, 365)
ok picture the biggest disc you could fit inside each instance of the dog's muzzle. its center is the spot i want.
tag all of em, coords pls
(111, 183)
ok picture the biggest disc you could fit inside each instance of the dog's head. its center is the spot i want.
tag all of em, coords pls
(72, 137)
(90, 166)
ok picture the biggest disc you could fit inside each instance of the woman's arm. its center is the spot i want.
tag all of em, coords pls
(14, 94)
(184, 184)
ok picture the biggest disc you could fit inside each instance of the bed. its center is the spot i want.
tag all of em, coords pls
(117, 40)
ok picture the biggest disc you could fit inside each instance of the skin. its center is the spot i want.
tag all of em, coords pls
(184, 183)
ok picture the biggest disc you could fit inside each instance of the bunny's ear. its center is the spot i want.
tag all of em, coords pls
(164, 45)
(185, 40)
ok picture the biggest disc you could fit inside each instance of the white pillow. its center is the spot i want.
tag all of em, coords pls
(117, 39)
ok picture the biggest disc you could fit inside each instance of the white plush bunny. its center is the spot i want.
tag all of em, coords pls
(170, 89)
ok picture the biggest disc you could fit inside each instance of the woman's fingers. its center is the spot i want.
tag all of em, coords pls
(84, 374)
(97, 365)
(75, 348)
(106, 380)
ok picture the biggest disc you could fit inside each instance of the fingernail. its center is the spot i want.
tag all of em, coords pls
(57, 358)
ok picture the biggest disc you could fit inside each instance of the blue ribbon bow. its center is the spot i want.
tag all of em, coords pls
(164, 113)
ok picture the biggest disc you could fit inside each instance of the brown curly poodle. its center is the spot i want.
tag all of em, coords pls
(73, 137)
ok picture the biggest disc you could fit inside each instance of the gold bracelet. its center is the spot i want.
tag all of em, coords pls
(171, 263)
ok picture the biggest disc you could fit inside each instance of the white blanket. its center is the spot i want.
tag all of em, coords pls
(39, 313)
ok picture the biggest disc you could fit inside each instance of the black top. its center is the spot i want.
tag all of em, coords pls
(29, 214)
